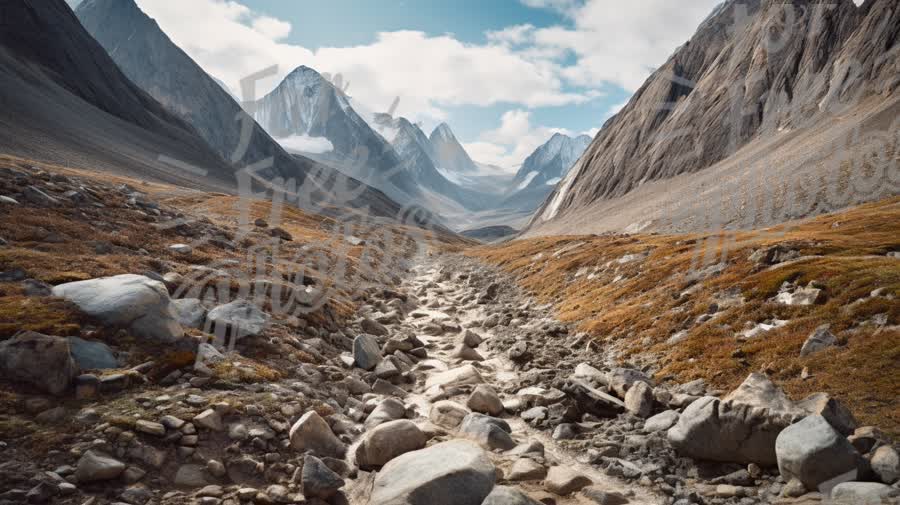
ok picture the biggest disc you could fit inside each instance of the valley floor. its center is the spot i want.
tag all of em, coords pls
(565, 369)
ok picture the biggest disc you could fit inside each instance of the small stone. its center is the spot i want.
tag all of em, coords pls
(526, 469)
(318, 480)
(366, 352)
(885, 463)
(639, 399)
(95, 467)
(563, 481)
(485, 400)
(182, 249)
(209, 419)
(150, 428)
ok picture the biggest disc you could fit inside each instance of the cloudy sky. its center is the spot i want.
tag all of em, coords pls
(505, 74)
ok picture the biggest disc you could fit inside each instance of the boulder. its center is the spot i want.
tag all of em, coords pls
(488, 431)
(135, 302)
(318, 480)
(485, 400)
(505, 495)
(389, 409)
(450, 473)
(593, 401)
(639, 399)
(885, 464)
(387, 441)
(312, 433)
(239, 318)
(864, 493)
(190, 312)
(662, 421)
(373, 327)
(471, 339)
(366, 352)
(447, 414)
(91, 355)
(526, 469)
(758, 391)
(94, 467)
(710, 429)
(814, 452)
(562, 480)
(465, 353)
(463, 375)
(39, 360)
(835, 412)
(819, 340)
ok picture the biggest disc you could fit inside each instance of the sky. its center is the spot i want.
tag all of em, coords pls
(504, 74)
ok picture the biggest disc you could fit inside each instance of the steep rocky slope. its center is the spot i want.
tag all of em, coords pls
(543, 169)
(64, 100)
(152, 61)
(449, 154)
(767, 101)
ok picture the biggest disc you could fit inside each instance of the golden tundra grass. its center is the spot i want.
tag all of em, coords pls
(634, 306)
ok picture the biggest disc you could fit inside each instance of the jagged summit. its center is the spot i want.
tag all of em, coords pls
(449, 154)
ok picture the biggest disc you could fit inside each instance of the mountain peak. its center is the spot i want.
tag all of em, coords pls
(449, 153)
(442, 131)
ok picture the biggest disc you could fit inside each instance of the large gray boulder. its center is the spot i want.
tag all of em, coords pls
(813, 452)
(758, 391)
(387, 441)
(491, 432)
(312, 433)
(135, 302)
(39, 360)
(711, 429)
(450, 473)
(240, 318)
(190, 312)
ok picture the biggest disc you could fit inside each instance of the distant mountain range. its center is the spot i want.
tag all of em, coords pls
(152, 61)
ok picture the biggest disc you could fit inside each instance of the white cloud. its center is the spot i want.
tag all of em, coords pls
(619, 42)
(508, 145)
(513, 35)
(306, 144)
(428, 73)
(272, 28)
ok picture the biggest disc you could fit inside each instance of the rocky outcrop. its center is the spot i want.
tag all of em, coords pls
(135, 302)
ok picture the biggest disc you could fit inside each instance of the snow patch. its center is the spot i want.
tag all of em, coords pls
(531, 175)
(553, 181)
(306, 144)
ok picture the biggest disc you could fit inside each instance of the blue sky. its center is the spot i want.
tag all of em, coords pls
(504, 74)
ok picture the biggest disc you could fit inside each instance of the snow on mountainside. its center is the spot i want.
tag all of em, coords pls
(542, 169)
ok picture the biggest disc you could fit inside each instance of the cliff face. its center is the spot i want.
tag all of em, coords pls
(754, 70)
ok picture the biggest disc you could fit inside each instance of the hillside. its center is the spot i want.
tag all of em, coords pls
(735, 128)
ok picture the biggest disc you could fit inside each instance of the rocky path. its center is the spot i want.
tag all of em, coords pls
(440, 296)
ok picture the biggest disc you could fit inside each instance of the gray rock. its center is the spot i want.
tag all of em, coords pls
(662, 421)
(835, 412)
(318, 480)
(723, 431)
(485, 400)
(600, 496)
(366, 352)
(449, 473)
(639, 399)
(562, 480)
(758, 391)
(818, 340)
(885, 463)
(132, 301)
(387, 441)
(526, 469)
(92, 355)
(488, 431)
(312, 433)
(814, 452)
(210, 420)
(447, 414)
(191, 476)
(207, 356)
(864, 493)
(620, 380)
(472, 339)
(94, 467)
(42, 361)
(38, 197)
(190, 312)
(466, 353)
(373, 327)
(239, 318)
(389, 409)
(505, 495)
(463, 375)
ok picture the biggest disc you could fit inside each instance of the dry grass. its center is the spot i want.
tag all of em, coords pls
(637, 306)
